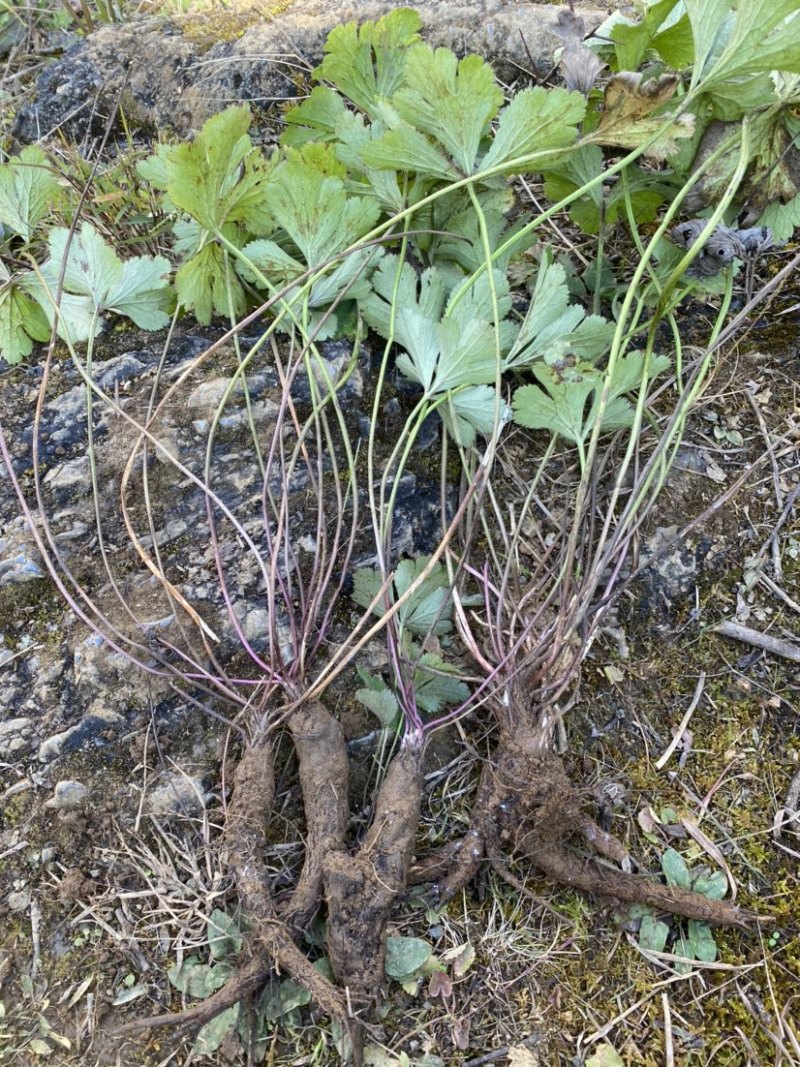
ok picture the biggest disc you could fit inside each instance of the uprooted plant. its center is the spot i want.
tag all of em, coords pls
(386, 207)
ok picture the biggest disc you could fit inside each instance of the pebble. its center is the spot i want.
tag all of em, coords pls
(68, 795)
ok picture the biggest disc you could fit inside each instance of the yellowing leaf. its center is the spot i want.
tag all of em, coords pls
(628, 120)
(606, 1056)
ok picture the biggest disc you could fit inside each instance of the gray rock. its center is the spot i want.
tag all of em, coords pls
(15, 737)
(20, 900)
(68, 795)
(177, 795)
(191, 81)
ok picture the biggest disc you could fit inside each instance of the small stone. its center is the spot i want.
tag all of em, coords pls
(51, 748)
(68, 795)
(14, 737)
(19, 901)
(178, 795)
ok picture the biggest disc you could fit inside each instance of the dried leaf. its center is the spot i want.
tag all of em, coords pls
(518, 1056)
(628, 120)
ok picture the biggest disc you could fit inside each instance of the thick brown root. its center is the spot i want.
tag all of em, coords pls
(361, 889)
(323, 772)
(526, 808)
(245, 842)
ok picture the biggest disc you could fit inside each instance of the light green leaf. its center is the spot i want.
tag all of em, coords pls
(353, 137)
(287, 997)
(436, 685)
(220, 177)
(782, 219)
(207, 285)
(762, 35)
(224, 936)
(675, 870)
(22, 320)
(404, 148)
(270, 260)
(714, 886)
(405, 956)
(553, 326)
(211, 1036)
(536, 120)
(315, 119)
(683, 947)
(426, 611)
(472, 411)
(367, 62)
(403, 290)
(605, 1056)
(383, 705)
(561, 406)
(199, 980)
(451, 100)
(653, 933)
(28, 191)
(137, 288)
(39, 1047)
(701, 939)
(315, 211)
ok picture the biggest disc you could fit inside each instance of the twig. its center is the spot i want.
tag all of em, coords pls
(775, 645)
(669, 1049)
(676, 740)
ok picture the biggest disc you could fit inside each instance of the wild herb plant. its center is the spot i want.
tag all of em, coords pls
(385, 207)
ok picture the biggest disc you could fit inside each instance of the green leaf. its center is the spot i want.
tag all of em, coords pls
(405, 956)
(137, 288)
(553, 326)
(315, 119)
(199, 980)
(782, 219)
(714, 886)
(220, 177)
(383, 705)
(39, 1047)
(562, 405)
(675, 869)
(404, 148)
(472, 411)
(28, 191)
(701, 939)
(451, 100)
(270, 260)
(653, 933)
(604, 204)
(224, 936)
(206, 285)
(287, 997)
(536, 120)
(632, 40)
(605, 1056)
(427, 610)
(762, 35)
(22, 320)
(367, 62)
(315, 211)
(211, 1036)
(436, 686)
(353, 137)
